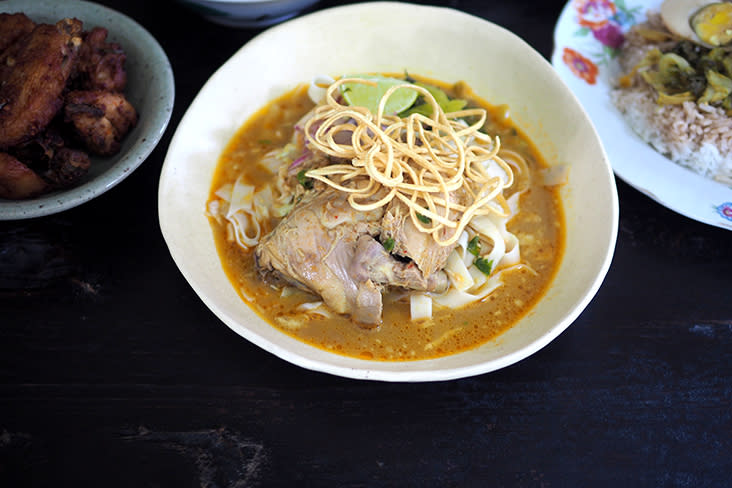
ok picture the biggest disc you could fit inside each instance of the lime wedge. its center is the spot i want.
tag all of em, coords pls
(362, 95)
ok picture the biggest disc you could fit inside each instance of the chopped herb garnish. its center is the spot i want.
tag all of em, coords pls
(446, 103)
(418, 108)
(474, 246)
(454, 105)
(484, 265)
(424, 219)
(389, 244)
(408, 78)
(304, 180)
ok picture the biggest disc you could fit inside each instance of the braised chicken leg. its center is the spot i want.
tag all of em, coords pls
(326, 247)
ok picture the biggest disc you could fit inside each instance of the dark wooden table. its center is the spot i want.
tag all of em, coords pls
(114, 373)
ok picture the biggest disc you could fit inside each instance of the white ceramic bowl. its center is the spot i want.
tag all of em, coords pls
(247, 13)
(150, 89)
(438, 43)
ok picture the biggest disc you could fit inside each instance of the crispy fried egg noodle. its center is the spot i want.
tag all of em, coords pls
(450, 175)
(422, 161)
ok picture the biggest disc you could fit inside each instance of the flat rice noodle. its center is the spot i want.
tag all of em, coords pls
(420, 306)
(244, 209)
(318, 87)
(461, 247)
(457, 271)
(485, 226)
(478, 276)
(511, 251)
(455, 298)
(274, 159)
(315, 308)
(224, 193)
(496, 171)
(263, 201)
(240, 213)
(554, 175)
(247, 230)
(241, 198)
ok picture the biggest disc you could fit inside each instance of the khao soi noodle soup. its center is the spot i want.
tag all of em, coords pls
(398, 218)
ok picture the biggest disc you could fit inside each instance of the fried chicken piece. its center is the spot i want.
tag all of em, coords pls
(33, 75)
(100, 119)
(18, 181)
(101, 63)
(13, 27)
(37, 152)
(67, 167)
(48, 156)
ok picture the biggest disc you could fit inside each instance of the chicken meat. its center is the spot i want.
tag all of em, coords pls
(410, 242)
(61, 99)
(13, 27)
(101, 63)
(326, 247)
(100, 119)
(34, 71)
(17, 180)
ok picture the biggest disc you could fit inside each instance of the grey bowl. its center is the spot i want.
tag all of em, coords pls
(247, 13)
(150, 89)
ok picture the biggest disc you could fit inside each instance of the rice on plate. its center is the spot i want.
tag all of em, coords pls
(690, 131)
(676, 152)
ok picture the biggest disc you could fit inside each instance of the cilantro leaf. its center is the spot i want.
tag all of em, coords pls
(484, 265)
(474, 246)
(304, 180)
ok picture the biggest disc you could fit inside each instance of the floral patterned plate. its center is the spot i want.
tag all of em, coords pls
(586, 41)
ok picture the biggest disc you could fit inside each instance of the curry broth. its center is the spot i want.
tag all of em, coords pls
(539, 227)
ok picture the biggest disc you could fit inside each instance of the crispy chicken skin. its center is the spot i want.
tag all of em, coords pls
(34, 71)
(101, 63)
(100, 119)
(66, 167)
(47, 155)
(18, 181)
(13, 27)
(39, 150)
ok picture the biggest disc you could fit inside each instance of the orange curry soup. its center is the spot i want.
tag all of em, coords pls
(539, 227)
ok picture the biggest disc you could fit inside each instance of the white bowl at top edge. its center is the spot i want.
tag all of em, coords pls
(150, 89)
(247, 13)
(438, 43)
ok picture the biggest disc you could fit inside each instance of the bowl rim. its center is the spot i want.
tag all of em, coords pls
(240, 1)
(296, 352)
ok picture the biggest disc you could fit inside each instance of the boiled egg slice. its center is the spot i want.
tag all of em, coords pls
(701, 21)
